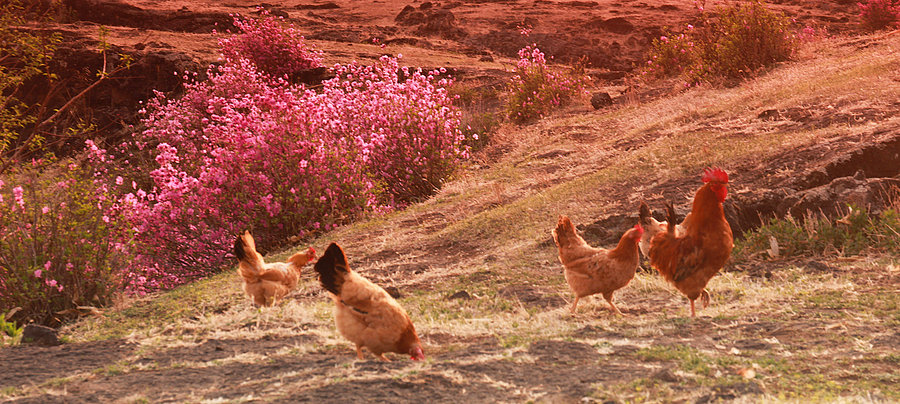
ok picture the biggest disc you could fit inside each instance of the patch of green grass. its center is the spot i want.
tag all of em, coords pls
(11, 333)
(687, 358)
(172, 307)
(114, 369)
(56, 382)
(856, 233)
(8, 391)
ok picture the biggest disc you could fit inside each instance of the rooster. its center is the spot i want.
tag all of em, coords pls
(364, 312)
(690, 259)
(590, 270)
(267, 283)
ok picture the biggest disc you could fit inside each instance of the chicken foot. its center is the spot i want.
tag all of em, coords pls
(609, 299)
(704, 298)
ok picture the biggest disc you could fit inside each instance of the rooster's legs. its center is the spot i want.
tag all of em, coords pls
(612, 306)
(574, 305)
(693, 313)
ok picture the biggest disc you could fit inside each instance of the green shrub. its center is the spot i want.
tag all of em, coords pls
(739, 41)
(480, 107)
(59, 248)
(10, 333)
(536, 89)
(24, 56)
(856, 233)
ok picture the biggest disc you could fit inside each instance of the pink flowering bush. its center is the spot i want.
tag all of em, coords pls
(744, 38)
(245, 150)
(536, 89)
(62, 244)
(879, 14)
(275, 47)
(406, 130)
(671, 54)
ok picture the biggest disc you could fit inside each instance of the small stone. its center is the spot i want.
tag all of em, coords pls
(600, 100)
(769, 115)
(665, 375)
(462, 294)
(40, 335)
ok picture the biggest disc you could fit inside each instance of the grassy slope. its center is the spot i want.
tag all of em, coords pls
(487, 231)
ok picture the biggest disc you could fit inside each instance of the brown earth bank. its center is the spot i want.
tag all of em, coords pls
(476, 40)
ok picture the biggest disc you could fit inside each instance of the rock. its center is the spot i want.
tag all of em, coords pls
(832, 199)
(40, 335)
(819, 266)
(311, 76)
(769, 115)
(616, 25)
(600, 100)
(323, 6)
(462, 294)
(441, 23)
(608, 76)
(665, 375)
(410, 16)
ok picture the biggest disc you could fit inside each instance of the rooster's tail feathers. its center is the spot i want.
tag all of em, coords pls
(670, 218)
(332, 268)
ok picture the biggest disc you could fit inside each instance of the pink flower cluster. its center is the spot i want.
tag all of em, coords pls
(879, 14)
(248, 150)
(536, 89)
(272, 45)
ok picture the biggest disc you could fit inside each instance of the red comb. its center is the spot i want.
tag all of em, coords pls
(639, 228)
(714, 174)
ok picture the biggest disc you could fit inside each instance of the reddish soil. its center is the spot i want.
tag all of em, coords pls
(474, 39)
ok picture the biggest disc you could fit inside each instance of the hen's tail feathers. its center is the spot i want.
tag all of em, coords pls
(251, 263)
(670, 218)
(644, 214)
(332, 268)
(564, 233)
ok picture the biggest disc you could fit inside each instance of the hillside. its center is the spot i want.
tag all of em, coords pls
(807, 328)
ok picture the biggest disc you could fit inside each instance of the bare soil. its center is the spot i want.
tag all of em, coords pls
(836, 334)
(596, 360)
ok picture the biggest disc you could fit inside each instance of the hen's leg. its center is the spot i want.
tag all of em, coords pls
(609, 297)
(359, 353)
(704, 298)
(382, 357)
(574, 305)
(693, 313)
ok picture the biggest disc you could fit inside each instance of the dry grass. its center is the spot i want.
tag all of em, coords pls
(808, 335)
